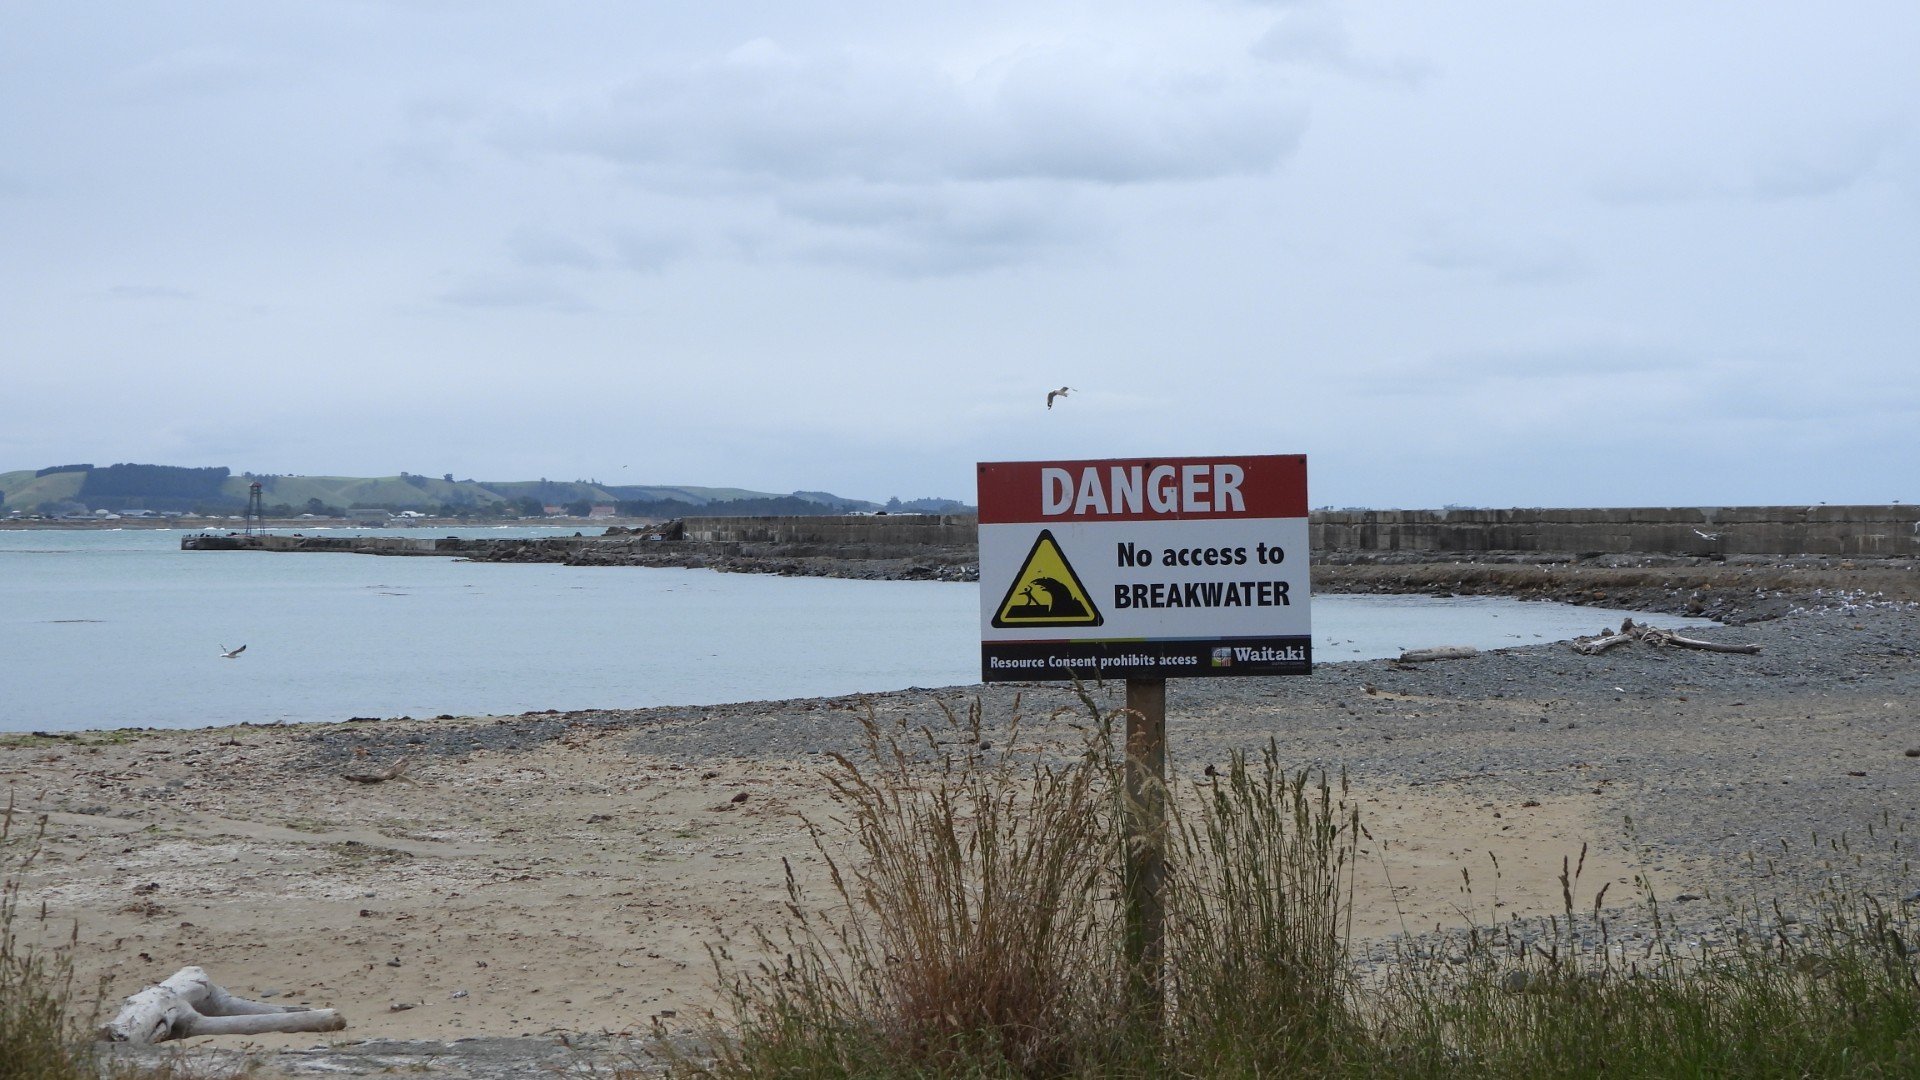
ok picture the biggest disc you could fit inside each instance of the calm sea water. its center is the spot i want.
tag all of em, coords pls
(106, 629)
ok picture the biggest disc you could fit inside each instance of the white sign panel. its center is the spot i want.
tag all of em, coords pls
(1150, 568)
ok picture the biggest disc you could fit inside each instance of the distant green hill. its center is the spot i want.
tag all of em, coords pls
(86, 488)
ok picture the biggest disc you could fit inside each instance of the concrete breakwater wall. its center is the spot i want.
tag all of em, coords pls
(889, 530)
(1841, 531)
(1892, 530)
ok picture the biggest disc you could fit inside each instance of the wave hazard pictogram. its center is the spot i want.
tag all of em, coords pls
(1046, 591)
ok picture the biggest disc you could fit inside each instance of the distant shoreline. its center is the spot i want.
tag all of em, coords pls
(1729, 588)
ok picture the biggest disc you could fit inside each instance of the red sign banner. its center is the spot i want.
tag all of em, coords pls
(1148, 489)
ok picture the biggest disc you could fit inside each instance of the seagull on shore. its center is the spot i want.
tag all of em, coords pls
(229, 654)
(1062, 392)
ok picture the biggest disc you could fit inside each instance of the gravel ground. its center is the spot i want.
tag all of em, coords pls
(1711, 756)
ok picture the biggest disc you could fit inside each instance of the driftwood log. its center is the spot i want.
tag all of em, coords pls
(1632, 631)
(189, 1004)
(1438, 652)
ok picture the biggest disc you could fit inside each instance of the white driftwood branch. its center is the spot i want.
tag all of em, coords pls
(1594, 646)
(1631, 631)
(1438, 652)
(188, 1003)
(1668, 637)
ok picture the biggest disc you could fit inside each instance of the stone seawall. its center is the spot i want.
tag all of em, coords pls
(889, 530)
(1892, 531)
(926, 541)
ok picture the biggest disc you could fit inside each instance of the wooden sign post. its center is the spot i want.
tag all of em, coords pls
(1144, 570)
(1146, 843)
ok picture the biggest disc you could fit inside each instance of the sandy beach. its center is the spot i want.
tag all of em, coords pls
(552, 874)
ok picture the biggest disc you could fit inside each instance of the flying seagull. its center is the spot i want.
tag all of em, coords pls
(1051, 394)
(1706, 535)
(228, 654)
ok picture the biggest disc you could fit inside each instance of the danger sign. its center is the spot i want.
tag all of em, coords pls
(1144, 569)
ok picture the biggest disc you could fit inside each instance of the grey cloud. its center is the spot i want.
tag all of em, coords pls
(205, 73)
(1653, 185)
(1533, 260)
(1471, 371)
(1779, 391)
(543, 249)
(1791, 166)
(915, 232)
(149, 292)
(1062, 117)
(1639, 385)
(1816, 166)
(648, 252)
(761, 112)
(893, 256)
(1317, 37)
(513, 292)
(903, 168)
(1555, 363)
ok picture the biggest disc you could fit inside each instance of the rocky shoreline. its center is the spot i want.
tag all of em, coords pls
(1727, 588)
(632, 547)
(1734, 589)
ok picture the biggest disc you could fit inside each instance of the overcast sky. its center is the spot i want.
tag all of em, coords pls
(1623, 253)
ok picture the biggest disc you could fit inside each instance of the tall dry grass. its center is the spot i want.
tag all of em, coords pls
(972, 927)
(38, 1037)
(1261, 891)
(976, 927)
(1834, 994)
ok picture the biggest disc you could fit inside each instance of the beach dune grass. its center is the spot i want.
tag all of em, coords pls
(974, 930)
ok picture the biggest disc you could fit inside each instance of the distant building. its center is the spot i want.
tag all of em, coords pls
(600, 510)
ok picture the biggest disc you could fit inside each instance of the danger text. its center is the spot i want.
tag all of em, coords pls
(1204, 488)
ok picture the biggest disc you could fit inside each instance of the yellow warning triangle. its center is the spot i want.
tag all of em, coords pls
(1046, 591)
